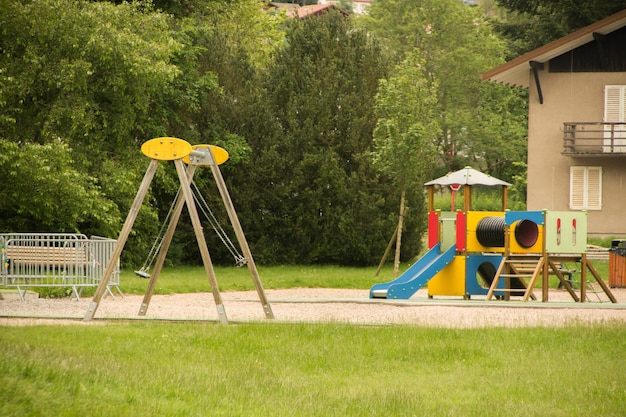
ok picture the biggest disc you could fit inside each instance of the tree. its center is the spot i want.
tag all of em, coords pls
(530, 24)
(42, 191)
(321, 199)
(219, 99)
(405, 134)
(89, 71)
(456, 45)
(82, 81)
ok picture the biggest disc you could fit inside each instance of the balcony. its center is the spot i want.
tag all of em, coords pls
(594, 139)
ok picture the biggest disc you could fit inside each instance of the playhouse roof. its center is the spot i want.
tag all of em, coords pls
(467, 176)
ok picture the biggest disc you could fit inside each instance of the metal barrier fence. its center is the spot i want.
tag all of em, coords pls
(56, 260)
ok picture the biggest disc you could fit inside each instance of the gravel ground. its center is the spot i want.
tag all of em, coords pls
(323, 305)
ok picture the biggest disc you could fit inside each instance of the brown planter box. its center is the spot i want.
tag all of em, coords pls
(617, 264)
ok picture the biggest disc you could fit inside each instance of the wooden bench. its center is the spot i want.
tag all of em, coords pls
(55, 256)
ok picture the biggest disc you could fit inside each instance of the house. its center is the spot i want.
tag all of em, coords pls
(577, 123)
(293, 10)
(358, 6)
(289, 8)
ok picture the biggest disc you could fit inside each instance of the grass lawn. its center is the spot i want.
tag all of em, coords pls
(194, 279)
(268, 369)
(272, 369)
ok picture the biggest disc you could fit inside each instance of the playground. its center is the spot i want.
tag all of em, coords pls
(474, 259)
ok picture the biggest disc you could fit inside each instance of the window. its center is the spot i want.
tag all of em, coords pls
(615, 103)
(585, 188)
(615, 114)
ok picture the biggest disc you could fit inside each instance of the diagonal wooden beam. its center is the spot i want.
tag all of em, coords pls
(121, 241)
(202, 245)
(241, 237)
(165, 245)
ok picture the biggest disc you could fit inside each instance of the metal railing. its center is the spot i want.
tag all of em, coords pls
(594, 138)
(56, 260)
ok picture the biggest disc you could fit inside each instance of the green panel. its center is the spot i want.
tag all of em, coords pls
(566, 231)
(448, 229)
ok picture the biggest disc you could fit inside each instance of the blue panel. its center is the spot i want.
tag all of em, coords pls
(511, 217)
(473, 267)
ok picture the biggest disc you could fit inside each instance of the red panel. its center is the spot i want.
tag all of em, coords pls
(433, 229)
(461, 227)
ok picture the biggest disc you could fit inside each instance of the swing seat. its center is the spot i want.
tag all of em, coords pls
(142, 274)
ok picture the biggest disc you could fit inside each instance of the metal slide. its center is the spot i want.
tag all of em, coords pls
(416, 276)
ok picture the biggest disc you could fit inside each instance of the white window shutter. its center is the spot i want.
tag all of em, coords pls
(577, 188)
(615, 103)
(585, 188)
(594, 188)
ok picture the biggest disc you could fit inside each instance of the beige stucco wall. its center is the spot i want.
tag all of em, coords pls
(575, 97)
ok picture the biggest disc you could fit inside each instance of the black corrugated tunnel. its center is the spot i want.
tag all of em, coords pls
(526, 233)
(490, 231)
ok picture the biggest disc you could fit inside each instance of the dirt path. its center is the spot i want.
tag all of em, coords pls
(323, 305)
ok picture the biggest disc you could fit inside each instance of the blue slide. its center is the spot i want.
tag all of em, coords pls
(416, 276)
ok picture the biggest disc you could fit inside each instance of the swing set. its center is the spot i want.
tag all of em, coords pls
(202, 205)
(181, 152)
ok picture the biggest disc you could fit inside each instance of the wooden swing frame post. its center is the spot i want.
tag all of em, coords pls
(165, 245)
(241, 237)
(121, 241)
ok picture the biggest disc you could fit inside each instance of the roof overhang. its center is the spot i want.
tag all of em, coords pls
(517, 71)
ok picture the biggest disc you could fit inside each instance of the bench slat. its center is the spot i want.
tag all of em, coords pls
(46, 255)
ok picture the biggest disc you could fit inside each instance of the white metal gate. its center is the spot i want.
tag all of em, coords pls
(56, 260)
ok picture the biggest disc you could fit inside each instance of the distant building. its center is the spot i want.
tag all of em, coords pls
(358, 6)
(294, 10)
(577, 122)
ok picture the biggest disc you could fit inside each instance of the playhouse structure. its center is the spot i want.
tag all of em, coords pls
(497, 254)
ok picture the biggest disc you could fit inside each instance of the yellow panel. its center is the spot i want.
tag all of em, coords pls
(166, 149)
(473, 218)
(219, 154)
(450, 280)
(517, 248)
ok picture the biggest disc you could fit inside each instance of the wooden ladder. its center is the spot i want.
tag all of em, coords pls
(521, 269)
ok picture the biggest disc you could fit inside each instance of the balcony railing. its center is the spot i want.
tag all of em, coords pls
(594, 139)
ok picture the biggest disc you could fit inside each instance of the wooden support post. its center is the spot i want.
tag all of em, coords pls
(241, 237)
(467, 198)
(204, 250)
(563, 281)
(545, 279)
(387, 251)
(396, 261)
(431, 198)
(165, 244)
(583, 278)
(121, 241)
(507, 267)
(544, 254)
